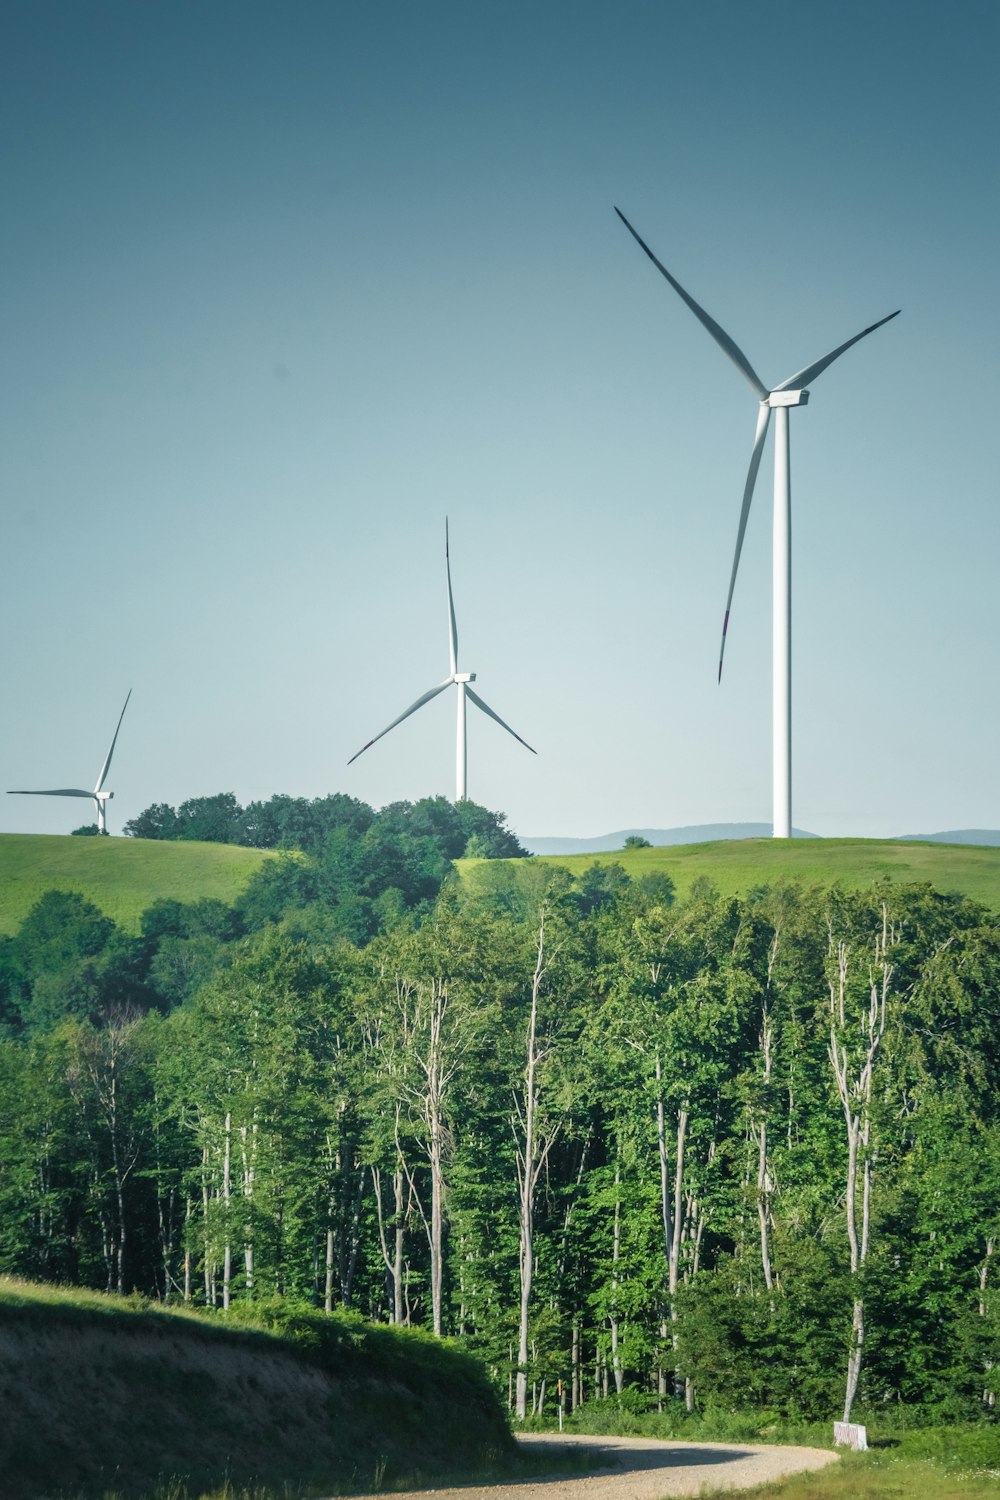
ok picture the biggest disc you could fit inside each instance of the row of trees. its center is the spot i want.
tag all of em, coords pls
(457, 829)
(740, 1151)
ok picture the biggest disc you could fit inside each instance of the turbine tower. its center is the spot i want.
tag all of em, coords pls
(100, 797)
(461, 681)
(779, 399)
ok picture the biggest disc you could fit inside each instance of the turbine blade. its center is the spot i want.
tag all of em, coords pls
(487, 710)
(107, 764)
(803, 377)
(720, 335)
(452, 624)
(763, 417)
(426, 698)
(62, 791)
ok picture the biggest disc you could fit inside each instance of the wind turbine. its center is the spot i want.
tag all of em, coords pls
(100, 797)
(461, 681)
(779, 398)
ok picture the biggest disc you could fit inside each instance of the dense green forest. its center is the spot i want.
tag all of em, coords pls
(322, 825)
(737, 1151)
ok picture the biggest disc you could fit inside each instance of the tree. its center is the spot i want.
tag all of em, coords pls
(297, 823)
(537, 1119)
(636, 841)
(213, 820)
(57, 953)
(102, 1068)
(157, 822)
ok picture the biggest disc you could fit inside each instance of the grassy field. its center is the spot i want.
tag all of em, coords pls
(121, 876)
(111, 1396)
(893, 1473)
(740, 864)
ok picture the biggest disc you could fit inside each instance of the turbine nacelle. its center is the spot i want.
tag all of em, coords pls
(464, 677)
(788, 398)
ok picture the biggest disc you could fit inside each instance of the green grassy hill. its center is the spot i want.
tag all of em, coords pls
(739, 865)
(125, 876)
(105, 1395)
(121, 876)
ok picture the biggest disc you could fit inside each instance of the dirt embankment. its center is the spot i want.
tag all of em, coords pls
(105, 1403)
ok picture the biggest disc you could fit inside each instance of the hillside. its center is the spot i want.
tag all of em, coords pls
(703, 833)
(125, 876)
(739, 865)
(108, 1394)
(697, 833)
(121, 876)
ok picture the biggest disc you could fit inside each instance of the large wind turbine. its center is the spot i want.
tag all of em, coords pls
(100, 797)
(779, 398)
(461, 681)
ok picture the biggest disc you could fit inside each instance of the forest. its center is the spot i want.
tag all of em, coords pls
(731, 1152)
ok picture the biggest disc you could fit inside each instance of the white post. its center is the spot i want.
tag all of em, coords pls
(461, 758)
(781, 643)
(102, 822)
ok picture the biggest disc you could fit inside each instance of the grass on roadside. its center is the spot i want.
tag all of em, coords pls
(879, 1476)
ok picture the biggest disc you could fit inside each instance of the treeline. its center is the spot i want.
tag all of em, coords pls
(457, 829)
(730, 1151)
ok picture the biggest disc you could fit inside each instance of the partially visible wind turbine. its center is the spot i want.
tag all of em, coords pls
(461, 681)
(100, 797)
(790, 392)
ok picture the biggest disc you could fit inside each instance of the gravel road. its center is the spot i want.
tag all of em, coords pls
(646, 1469)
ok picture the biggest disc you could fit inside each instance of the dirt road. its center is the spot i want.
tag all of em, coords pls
(645, 1469)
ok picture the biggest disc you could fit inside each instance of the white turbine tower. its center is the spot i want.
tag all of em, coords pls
(779, 398)
(99, 796)
(461, 681)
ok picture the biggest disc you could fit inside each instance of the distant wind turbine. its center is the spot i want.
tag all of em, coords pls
(461, 681)
(99, 796)
(790, 392)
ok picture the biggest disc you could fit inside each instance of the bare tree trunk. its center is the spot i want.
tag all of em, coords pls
(436, 1075)
(436, 1158)
(187, 1249)
(248, 1147)
(393, 1258)
(328, 1284)
(531, 1155)
(227, 1194)
(673, 1266)
(984, 1271)
(759, 1128)
(616, 1246)
(351, 1239)
(668, 1225)
(206, 1242)
(854, 1080)
(989, 1395)
(397, 1257)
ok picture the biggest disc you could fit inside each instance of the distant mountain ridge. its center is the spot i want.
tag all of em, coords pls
(699, 833)
(704, 833)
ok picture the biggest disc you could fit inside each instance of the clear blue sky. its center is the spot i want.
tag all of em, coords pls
(285, 284)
